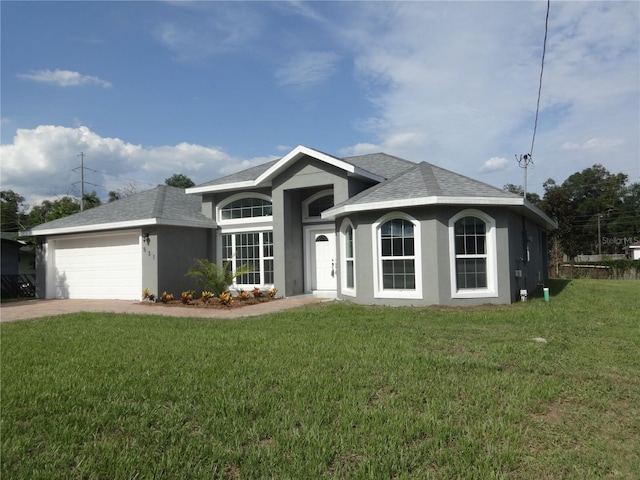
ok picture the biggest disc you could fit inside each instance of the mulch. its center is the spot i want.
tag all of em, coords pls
(213, 304)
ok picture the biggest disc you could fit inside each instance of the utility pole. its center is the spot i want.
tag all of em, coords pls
(523, 162)
(81, 181)
(82, 168)
(599, 237)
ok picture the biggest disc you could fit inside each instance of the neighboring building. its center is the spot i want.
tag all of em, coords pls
(634, 250)
(17, 267)
(373, 229)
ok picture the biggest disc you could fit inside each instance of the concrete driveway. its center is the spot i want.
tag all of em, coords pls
(46, 308)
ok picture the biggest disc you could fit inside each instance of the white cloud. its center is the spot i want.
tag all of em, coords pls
(40, 162)
(494, 163)
(361, 149)
(454, 91)
(64, 78)
(199, 30)
(308, 69)
(594, 144)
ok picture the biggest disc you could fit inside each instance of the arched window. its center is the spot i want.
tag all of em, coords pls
(246, 208)
(473, 255)
(315, 208)
(397, 250)
(317, 203)
(398, 257)
(348, 270)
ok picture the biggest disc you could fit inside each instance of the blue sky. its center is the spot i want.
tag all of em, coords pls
(148, 89)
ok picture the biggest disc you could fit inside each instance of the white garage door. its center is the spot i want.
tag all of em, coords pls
(106, 266)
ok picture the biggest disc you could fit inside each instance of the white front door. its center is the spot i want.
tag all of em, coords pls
(324, 249)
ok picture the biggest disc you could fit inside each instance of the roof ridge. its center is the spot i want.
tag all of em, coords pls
(474, 180)
(426, 170)
(158, 206)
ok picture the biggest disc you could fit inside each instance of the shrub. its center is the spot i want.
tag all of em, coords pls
(243, 295)
(225, 298)
(187, 296)
(147, 295)
(207, 296)
(272, 292)
(256, 292)
(215, 278)
(166, 297)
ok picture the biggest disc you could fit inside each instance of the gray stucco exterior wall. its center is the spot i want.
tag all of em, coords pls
(288, 191)
(435, 257)
(177, 250)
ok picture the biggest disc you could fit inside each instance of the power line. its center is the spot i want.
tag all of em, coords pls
(526, 160)
(544, 51)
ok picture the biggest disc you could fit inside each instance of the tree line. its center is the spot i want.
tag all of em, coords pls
(596, 211)
(15, 217)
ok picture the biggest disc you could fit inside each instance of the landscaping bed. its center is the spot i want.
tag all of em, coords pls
(213, 304)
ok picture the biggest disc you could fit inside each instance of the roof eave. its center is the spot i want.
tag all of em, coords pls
(117, 226)
(221, 188)
(341, 210)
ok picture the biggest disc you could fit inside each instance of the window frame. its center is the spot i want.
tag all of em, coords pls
(261, 259)
(378, 290)
(245, 220)
(344, 259)
(307, 201)
(491, 290)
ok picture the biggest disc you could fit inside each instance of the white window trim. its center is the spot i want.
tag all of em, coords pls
(378, 291)
(305, 206)
(219, 254)
(244, 221)
(343, 259)
(491, 255)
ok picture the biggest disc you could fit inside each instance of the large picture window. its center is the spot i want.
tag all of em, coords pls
(254, 249)
(398, 257)
(473, 258)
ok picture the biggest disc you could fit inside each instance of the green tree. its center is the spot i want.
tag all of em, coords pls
(179, 180)
(114, 195)
(585, 200)
(11, 212)
(518, 190)
(62, 207)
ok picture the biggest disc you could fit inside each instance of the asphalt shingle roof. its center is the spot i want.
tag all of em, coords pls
(243, 176)
(169, 204)
(426, 180)
(380, 164)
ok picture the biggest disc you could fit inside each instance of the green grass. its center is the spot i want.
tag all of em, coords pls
(331, 391)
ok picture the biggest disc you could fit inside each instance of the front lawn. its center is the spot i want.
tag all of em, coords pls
(331, 391)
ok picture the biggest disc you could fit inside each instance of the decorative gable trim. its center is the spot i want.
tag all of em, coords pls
(297, 153)
(301, 151)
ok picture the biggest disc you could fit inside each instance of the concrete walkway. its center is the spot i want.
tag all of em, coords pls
(46, 308)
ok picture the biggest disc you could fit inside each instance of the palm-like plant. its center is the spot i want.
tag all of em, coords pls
(216, 278)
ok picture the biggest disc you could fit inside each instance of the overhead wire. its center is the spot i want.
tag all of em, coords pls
(544, 51)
